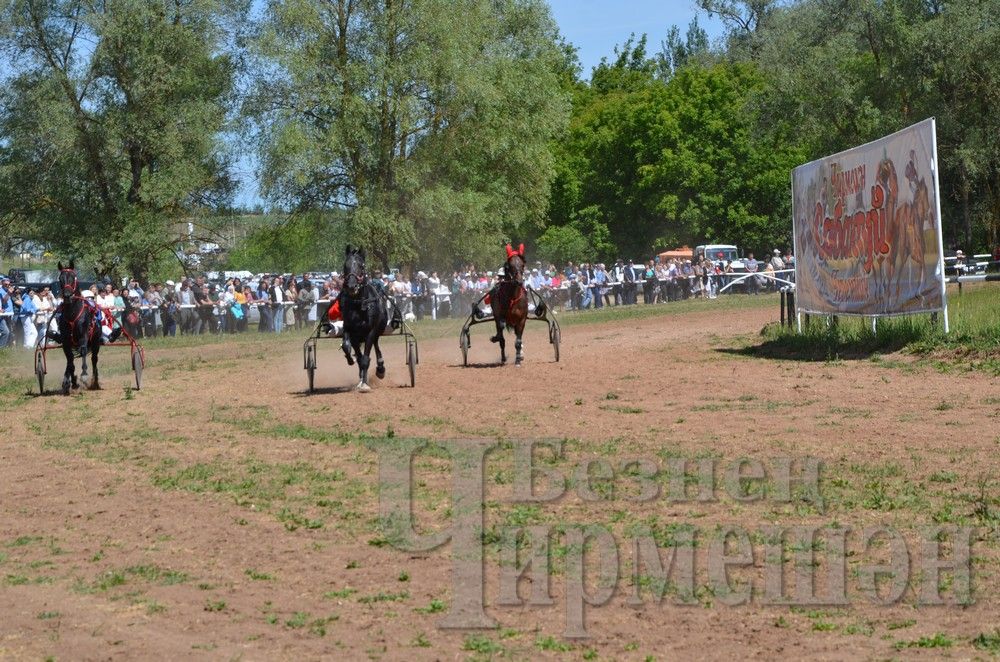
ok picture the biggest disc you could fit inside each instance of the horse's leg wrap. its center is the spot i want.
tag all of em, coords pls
(363, 363)
(69, 377)
(379, 362)
(95, 384)
(519, 356)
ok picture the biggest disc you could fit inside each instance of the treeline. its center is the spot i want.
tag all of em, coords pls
(433, 131)
(695, 142)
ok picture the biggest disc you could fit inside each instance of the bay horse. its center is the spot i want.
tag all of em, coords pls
(362, 305)
(509, 301)
(79, 331)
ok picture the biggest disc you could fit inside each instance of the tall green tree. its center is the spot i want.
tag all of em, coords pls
(428, 120)
(842, 74)
(111, 120)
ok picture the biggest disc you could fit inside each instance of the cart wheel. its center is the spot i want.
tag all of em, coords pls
(311, 367)
(411, 361)
(137, 367)
(464, 343)
(40, 371)
(555, 341)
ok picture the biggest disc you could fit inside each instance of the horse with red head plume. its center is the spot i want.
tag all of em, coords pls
(510, 303)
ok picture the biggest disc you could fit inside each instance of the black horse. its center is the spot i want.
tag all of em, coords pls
(509, 302)
(79, 332)
(363, 307)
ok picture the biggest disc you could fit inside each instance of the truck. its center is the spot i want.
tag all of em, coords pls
(725, 253)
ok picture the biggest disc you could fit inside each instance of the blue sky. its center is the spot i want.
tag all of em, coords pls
(595, 27)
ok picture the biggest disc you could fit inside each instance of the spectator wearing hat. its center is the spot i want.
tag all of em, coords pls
(961, 263)
(535, 281)
(777, 264)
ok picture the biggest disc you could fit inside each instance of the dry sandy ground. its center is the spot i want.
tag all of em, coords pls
(222, 513)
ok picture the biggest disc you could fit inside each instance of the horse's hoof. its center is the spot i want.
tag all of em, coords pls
(363, 388)
(380, 371)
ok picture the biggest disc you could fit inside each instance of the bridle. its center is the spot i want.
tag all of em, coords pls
(511, 274)
(70, 286)
(354, 283)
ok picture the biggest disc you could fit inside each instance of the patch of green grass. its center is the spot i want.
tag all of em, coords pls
(971, 344)
(24, 540)
(939, 640)
(988, 642)
(383, 597)
(46, 615)
(215, 605)
(480, 643)
(109, 580)
(550, 643)
(257, 575)
(340, 593)
(434, 607)
(156, 574)
(298, 620)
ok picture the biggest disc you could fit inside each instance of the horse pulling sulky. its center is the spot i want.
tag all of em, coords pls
(79, 331)
(366, 314)
(511, 304)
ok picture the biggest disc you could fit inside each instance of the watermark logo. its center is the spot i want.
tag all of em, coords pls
(803, 565)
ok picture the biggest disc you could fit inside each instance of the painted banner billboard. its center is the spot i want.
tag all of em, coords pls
(867, 228)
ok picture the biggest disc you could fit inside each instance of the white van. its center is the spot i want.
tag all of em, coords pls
(721, 253)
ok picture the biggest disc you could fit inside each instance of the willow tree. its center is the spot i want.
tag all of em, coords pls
(111, 116)
(429, 120)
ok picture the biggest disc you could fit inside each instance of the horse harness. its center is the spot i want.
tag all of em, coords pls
(87, 305)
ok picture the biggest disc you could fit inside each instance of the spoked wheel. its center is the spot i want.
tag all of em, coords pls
(411, 362)
(554, 335)
(464, 341)
(311, 366)
(137, 366)
(40, 371)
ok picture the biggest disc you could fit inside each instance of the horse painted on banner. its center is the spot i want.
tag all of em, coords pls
(363, 307)
(509, 301)
(79, 329)
(905, 222)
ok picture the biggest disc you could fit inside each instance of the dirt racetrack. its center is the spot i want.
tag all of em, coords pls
(221, 513)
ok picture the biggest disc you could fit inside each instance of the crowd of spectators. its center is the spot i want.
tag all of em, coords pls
(272, 303)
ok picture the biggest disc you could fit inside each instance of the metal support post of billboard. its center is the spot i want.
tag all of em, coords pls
(940, 240)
